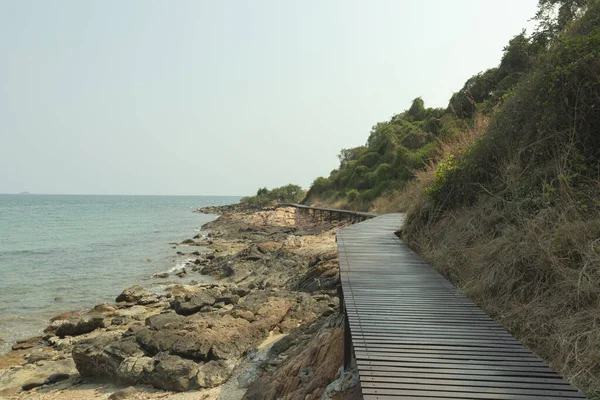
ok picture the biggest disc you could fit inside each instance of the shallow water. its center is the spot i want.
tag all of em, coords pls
(61, 253)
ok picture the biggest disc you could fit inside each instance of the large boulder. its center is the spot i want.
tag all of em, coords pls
(135, 370)
(173, 373)
(214, 373)
(101, 356)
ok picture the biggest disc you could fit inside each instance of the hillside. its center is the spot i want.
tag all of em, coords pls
(502, 188)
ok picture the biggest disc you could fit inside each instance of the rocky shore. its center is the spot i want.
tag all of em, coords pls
(267, 327)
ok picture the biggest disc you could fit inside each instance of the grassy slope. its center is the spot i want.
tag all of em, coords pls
(506, 203)
(514, 221)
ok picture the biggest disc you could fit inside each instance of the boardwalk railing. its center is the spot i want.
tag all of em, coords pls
(331, 213)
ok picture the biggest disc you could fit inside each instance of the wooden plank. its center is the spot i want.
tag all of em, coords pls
(415, 337)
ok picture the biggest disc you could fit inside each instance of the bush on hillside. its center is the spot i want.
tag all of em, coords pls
(284, 194)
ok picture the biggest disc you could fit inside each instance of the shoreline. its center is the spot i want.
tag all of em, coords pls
(150, 280)
(274, 277)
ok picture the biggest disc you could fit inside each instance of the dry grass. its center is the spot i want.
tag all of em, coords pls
(537, 275)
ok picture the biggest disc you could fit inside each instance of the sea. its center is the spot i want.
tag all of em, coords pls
(71, 252)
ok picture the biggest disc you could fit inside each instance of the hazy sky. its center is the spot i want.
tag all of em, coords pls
(222, 97)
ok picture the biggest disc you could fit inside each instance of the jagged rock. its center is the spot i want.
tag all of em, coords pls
(135, 370)
(161, 275)
(189, 344)
(173, 373)
(102, 355)
(189, 242)
(78, 326)
(192, 303)
(133, 294)
(214, 373)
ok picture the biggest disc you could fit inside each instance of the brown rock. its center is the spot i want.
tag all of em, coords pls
(78, 326)
(269, 247)
(133, 294)
(192, 303)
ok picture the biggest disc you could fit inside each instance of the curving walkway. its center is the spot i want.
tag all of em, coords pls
(415, 337)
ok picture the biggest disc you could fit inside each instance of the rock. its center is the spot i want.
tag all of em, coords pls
(192, 303)
(123, 393)
(66, 315)
(173, 339)
(214, 373)
(59, 298)
(135, 370)
(160, 321)
(133, 294)
(85, 324)
(232, 299)
(39, 356)
(101, 356)
(247, 315)
(161, 275)
(173, 373)
(104, 308)
(54, 378)
(268, 247)
(197, 236)
(33, 383)
(189, 242)
(27, 343)
(181, 274)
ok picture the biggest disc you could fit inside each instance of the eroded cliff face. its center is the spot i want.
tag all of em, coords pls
(267, 327)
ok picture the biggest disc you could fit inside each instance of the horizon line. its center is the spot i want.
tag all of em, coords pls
(120, 194)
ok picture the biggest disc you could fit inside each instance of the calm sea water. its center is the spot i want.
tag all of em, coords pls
(85, 250)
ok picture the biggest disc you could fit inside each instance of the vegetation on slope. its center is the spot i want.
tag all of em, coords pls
(506, 202)
(398, 149)
(514, 219)
(284, 194)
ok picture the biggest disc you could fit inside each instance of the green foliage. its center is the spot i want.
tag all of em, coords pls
(554, 16)
(547, 129)
(284, 194)
(417, 111)
(532, 95)
(393, 150)
(352, 195)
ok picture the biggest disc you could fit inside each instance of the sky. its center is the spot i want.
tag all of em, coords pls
(222, 97)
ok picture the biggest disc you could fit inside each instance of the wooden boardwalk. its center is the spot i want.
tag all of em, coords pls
(415, 337)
